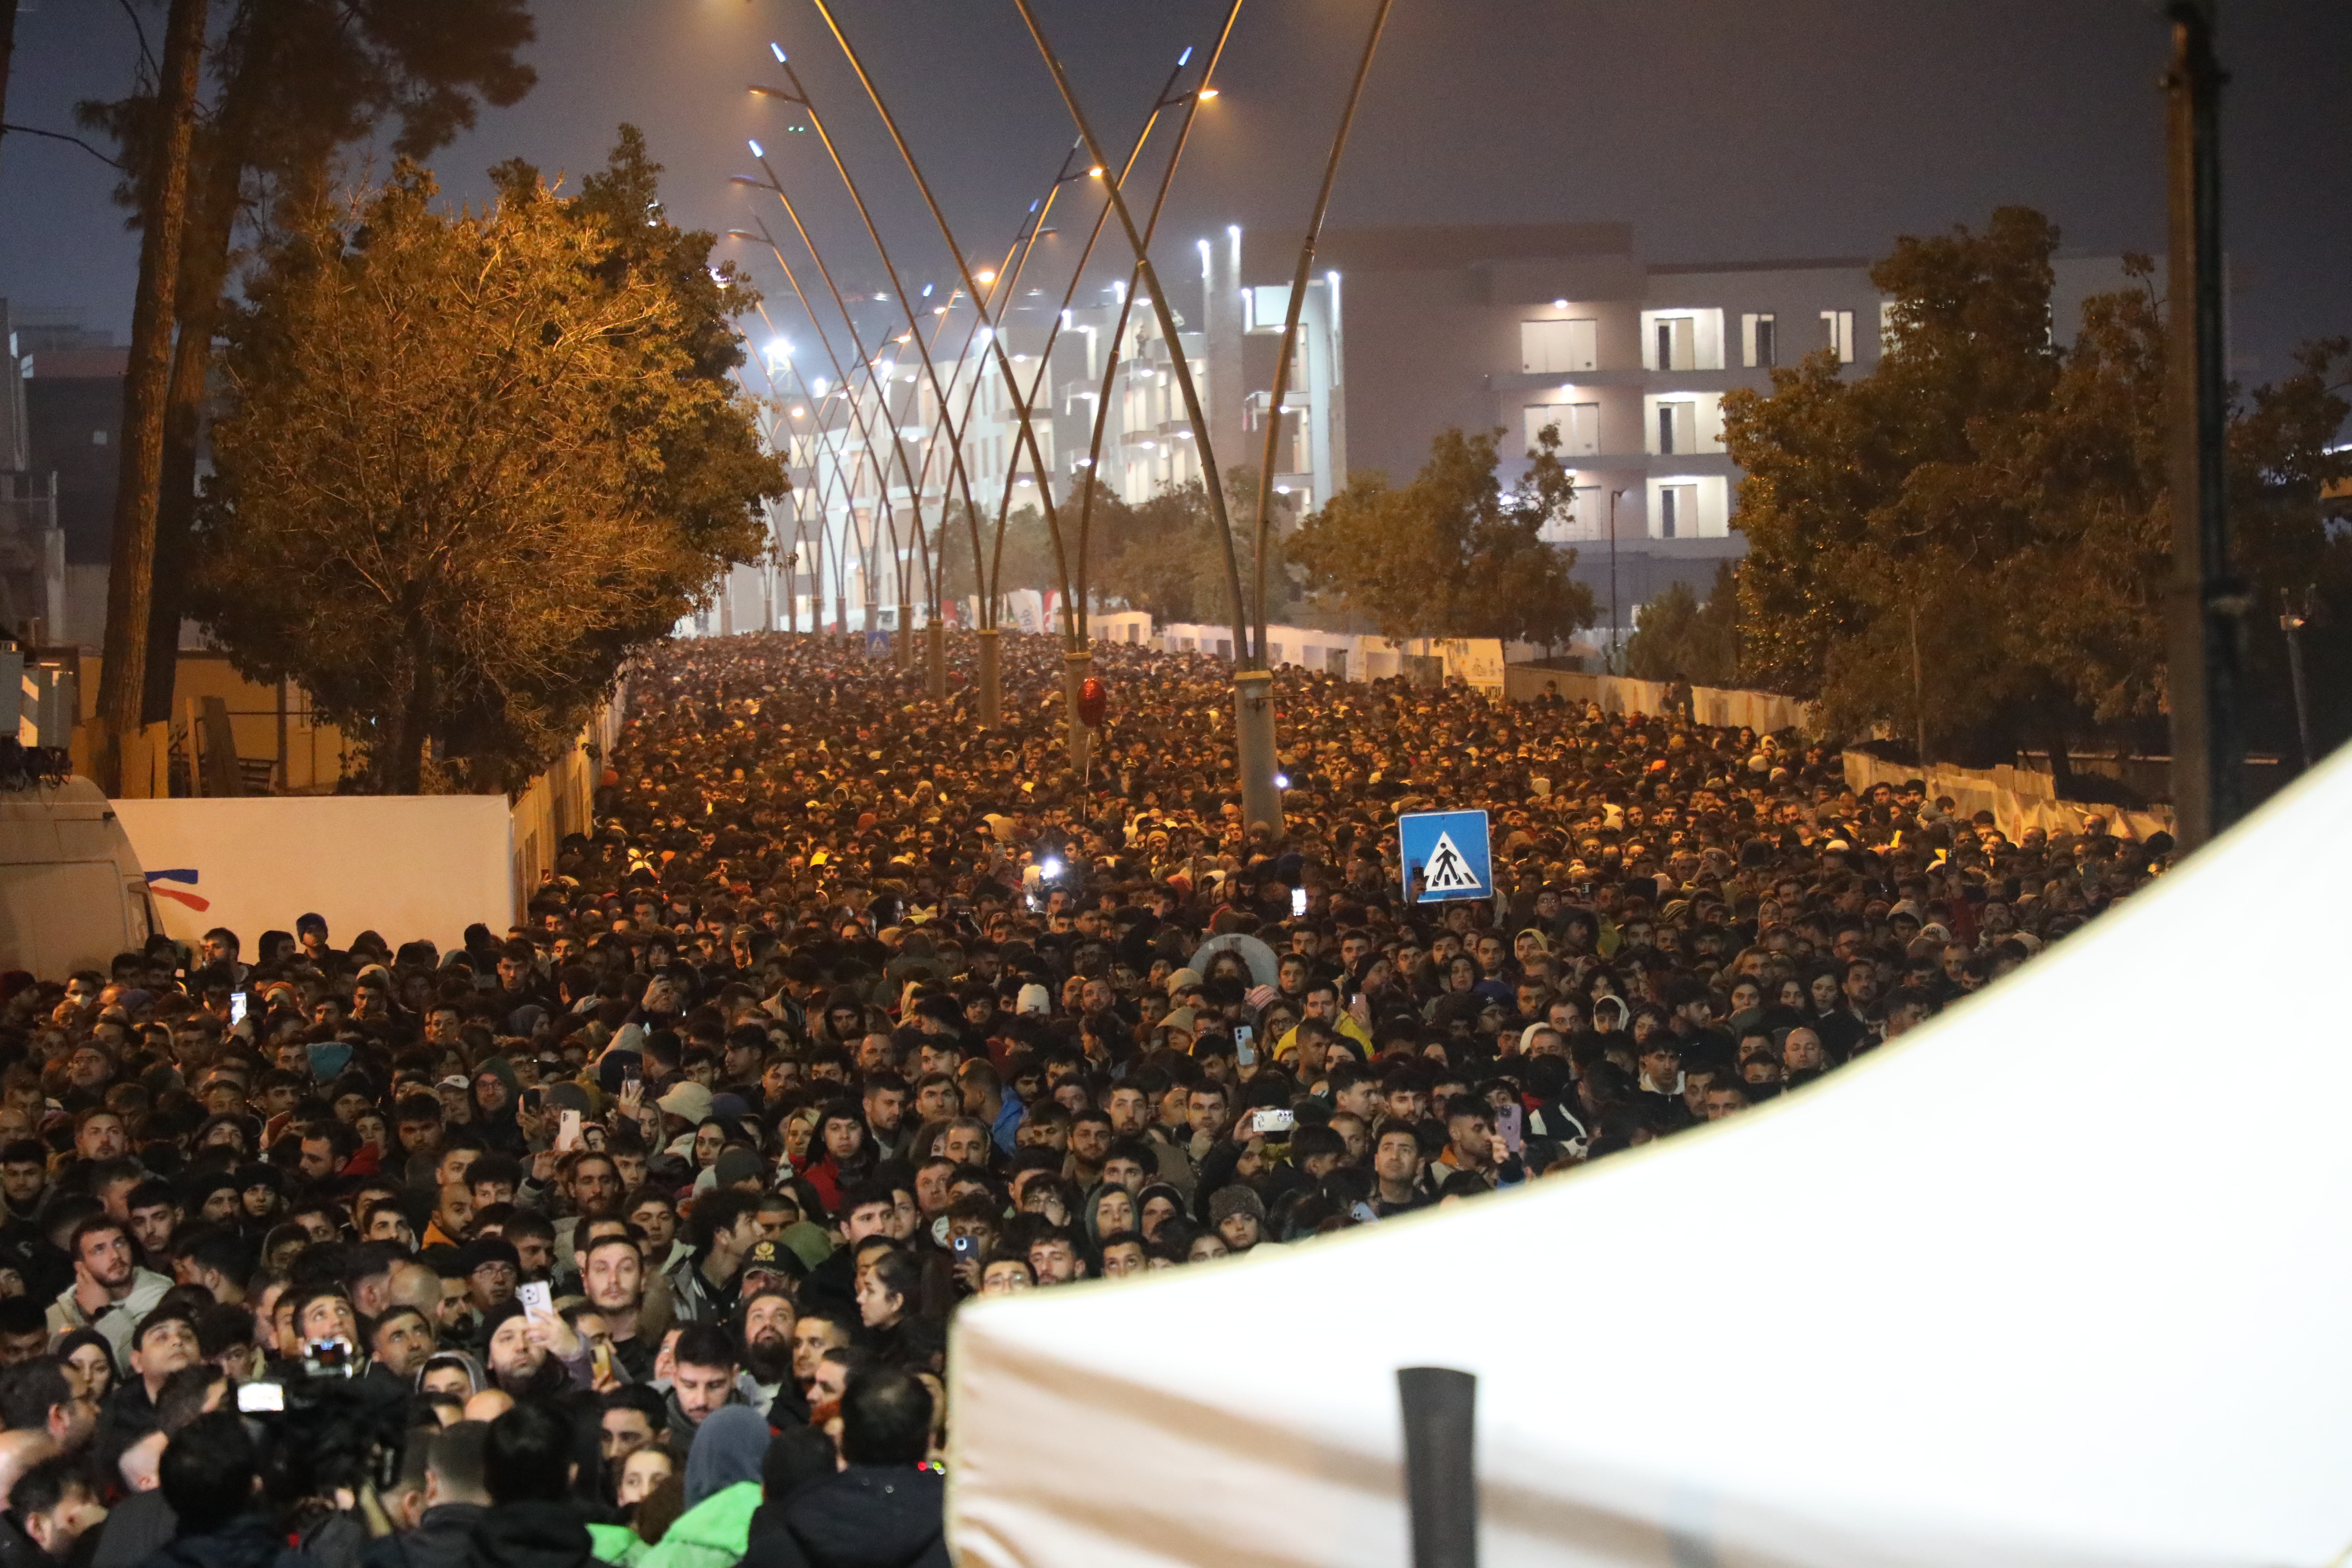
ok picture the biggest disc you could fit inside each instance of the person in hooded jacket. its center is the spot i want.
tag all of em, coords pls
(498, 1097)
(211, 1474)
(722, 1494)
(886, 1508)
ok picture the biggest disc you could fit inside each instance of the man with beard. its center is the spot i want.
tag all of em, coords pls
(594, 1188)
(612, 1276)
(703, 1381)
(110, 1292)
(532, 1357)
(769, 1319)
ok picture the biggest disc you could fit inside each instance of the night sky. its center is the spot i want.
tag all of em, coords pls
(1723, 129)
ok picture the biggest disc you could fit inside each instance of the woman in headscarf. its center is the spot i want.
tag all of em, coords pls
(722, 1493)
(1109, 1210)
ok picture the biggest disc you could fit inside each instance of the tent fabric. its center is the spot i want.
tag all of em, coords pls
(2061, 1279)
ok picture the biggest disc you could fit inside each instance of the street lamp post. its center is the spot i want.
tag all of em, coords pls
(1611, 657)
(1248, 733)
(867, 362)
(2205, 648)
(1022, 406)
(792, 592)
(875, 367)
(1258, 746)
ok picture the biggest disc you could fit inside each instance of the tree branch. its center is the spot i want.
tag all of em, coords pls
(61, 136)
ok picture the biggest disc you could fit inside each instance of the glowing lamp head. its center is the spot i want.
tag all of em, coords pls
(1282, 781)
(756, 151)
(1051, 866)
(1096, 172)
(1207, 93)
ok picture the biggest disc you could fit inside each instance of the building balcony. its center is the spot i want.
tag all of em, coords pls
(1648, 380)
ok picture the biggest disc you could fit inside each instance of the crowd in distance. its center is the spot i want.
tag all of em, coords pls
(633, 1232)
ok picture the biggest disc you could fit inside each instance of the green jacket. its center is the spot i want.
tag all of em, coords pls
(713, 1534)
(616, 1544)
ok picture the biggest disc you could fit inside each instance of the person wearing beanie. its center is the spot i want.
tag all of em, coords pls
(1238, 1214)
(736, 1167)
(530, 1356)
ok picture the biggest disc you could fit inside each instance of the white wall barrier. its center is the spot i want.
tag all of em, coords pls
(403, 866)
(2019, 798)
(1354, 656)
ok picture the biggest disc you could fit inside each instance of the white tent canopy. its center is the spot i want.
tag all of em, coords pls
(2064, 1279)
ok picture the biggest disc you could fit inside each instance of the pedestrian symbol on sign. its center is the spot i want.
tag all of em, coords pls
(1448, 872)
(1445, 855)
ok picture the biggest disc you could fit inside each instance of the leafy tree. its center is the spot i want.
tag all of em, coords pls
(1451, 555)
(470, 462)
(1971, 544)
(294, 83)
(1679, 634)
(1027, 561)
(1166, 556)
(2291, 539)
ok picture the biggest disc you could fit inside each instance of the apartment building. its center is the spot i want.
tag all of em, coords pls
(1403, 331)
(1564, 326)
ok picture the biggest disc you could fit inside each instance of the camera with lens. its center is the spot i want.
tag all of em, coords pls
(329, 1431)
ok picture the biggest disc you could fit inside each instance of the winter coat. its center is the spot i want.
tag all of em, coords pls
(722, 1493)
(616, 1543)
(530, 1535)
(713, 1534)
(253, 1542)
(18, 1550)
(865, 1517)
(136, 1527)
(439, 1540)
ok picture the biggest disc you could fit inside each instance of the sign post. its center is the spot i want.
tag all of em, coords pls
(1445, 855)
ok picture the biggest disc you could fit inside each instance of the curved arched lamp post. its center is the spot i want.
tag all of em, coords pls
(1023, 403)
(847, 386)
(1253, 737)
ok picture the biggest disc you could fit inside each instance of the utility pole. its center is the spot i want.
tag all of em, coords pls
(7, 54)
(2292, 622)
(2206, 648)
(1610, 659)
(131, 581)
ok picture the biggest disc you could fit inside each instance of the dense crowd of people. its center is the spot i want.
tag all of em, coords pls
(633, 1232)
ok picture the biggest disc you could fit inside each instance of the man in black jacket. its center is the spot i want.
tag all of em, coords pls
(455, 1500)
(526, 1460)
(887, 1509)
(211, 1477)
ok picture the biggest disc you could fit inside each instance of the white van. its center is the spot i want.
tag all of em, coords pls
(71, 891)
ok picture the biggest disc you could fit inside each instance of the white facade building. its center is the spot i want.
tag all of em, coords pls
(1403, 331)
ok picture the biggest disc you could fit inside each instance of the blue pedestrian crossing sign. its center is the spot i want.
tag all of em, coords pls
(1445, 855)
